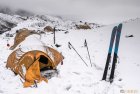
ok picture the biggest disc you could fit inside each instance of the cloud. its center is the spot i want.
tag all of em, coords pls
(102, 11)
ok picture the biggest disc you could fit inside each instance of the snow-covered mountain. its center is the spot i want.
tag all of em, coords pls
(7, 22)
(10, 19)
(74, 76)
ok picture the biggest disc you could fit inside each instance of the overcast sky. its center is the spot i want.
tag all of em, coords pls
(101, 11)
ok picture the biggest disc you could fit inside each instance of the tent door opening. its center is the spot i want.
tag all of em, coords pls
(47, 71)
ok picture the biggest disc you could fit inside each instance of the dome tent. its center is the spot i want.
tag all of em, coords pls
(21, 35)
(28, 64)
(49, 29)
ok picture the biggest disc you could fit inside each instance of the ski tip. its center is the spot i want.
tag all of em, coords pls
(120, 25)
(115, 27)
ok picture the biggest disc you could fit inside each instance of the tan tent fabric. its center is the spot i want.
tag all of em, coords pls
(21, 35)
(33, 74)
(85, 26)
(48, 29)
(26, 64)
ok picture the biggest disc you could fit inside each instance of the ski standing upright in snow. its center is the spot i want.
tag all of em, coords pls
(109, 52)
(115, 36)
(115, 52)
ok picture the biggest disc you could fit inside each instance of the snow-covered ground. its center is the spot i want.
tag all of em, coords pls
(74, 76)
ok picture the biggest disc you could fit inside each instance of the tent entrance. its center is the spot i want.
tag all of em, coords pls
(46, 70)
(49, 73)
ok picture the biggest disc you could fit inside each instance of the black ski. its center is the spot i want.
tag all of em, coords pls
(115, 52)
(109, 52)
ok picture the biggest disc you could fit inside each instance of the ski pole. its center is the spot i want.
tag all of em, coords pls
(54, 35)
(77, 53)
(88, 51)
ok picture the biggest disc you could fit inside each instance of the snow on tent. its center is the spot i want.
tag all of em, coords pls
(29, 64)
(21, 35)
(31, 59)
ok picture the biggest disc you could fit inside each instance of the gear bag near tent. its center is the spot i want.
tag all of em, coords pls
(28, 64)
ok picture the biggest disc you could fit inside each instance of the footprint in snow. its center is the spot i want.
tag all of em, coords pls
(1, 91)
(68, 87)
(76, 73)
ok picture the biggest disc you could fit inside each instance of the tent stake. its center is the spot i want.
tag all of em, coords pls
(77, 53)
(35, 83)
